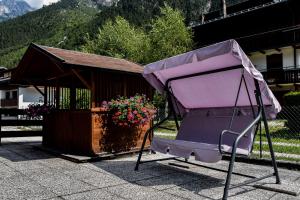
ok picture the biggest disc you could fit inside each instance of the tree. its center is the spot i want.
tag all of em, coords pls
(200, 9)
(119, 39)
(169, 35)
(223, 2)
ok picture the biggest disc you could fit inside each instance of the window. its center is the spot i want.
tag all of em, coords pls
(7, 95)
(274, 61)
(15, 94)
(274, 68)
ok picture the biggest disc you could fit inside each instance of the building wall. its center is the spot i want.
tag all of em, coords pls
(9, 102)
(29, 95)
(260, 60)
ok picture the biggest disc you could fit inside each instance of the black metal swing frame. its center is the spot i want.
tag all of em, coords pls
(260, 117)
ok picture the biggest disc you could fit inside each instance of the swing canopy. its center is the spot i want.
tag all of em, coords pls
(213, 89)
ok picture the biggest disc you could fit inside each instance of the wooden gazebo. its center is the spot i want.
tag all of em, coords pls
(76, 83)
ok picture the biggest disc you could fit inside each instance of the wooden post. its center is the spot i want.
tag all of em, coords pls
(45, 95)
(93, 89)
(73, 98)
(295, 57)
(0, 126)
(57, 97)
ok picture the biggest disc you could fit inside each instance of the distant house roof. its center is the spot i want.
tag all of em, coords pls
(2, 68)
(91, 60)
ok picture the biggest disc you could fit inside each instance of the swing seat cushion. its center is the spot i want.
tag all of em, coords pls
(202, 151)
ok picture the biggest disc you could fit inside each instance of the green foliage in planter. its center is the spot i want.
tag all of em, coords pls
(159, 100)
(292, 98)
(130, 112)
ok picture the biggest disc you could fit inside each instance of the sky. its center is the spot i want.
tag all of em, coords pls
(40, 3)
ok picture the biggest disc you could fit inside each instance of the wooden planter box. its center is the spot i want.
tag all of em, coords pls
(90, 132)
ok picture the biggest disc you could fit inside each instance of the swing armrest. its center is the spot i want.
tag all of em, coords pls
(221, 138)
(239, 135)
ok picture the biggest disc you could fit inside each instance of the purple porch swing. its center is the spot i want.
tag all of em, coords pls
(221, 99)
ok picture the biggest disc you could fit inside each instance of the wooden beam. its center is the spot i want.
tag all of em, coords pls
(73, 96)
(46, 95)
(295, 57)
(38, 89)
(57, 65)
(278, 50)
(262, 51)
(60, 76)
(85, 83)
(296, 46)
(57, 97)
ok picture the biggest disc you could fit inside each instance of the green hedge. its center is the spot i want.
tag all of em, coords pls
(292, 98)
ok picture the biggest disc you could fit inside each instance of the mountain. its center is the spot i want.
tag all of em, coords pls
(13, 8)
(65, 24)
(106, 2)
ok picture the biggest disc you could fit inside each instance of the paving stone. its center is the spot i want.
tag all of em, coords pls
(131, 191)
(20, 187)
(7, 156)
(26, 173)
(212, 190)
(59, 164)
(92, 195)
(6, 171)
(285, 187)
(297, 179)
(283, 197)
(104, 180)
(23, 166)
(200, 189)
(169, 180)
(251, 193)
(125, 170)
(57, 182)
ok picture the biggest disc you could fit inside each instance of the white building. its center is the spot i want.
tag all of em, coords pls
(280, 58)
(15, 96)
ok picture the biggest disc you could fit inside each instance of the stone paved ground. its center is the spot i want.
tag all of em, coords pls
(27, 173)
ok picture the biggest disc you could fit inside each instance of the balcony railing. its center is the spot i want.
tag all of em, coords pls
(9, 103)
(282, 75)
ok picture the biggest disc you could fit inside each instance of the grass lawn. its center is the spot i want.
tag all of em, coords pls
(169, 125)
(279, 132)
(254, 155)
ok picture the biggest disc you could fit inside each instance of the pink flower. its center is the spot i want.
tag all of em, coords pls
(130, 116)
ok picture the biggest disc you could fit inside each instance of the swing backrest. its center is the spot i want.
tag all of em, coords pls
(206, 127)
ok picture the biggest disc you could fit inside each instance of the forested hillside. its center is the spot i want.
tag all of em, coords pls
(51, 25)
(66, 23)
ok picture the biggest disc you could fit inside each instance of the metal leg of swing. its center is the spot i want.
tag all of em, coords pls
(271, 149)
(138, 162)
(141, 151)
(260, 141)
(264, 118)
(229, 173)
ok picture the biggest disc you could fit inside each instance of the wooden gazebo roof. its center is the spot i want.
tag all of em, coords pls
(91, 60)
(46, 66)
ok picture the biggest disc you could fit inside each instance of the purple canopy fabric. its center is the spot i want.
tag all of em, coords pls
(212, 90)
(208, 101)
